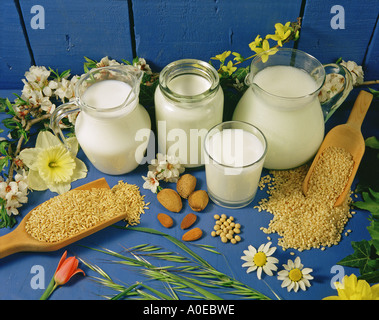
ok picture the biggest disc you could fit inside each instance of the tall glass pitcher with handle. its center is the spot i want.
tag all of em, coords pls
(282, 101)
(109, 118)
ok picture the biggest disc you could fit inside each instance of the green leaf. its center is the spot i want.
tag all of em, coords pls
(370, 277)
(372, 142)
(4, 147)
(6, 221)
(374, 194)
(3, 105)
(368, 203)
(364, 257)
(373, 229)
(4, 162)
(374, 92)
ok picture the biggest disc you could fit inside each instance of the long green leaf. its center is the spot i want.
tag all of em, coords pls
(172, 239)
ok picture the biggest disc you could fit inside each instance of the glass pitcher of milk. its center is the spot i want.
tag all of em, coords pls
(188, 102)
(282, 101)
(109, 118)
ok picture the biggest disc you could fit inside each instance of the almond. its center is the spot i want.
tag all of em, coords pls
(192, 234)
(170, 199)
(198, 200)
(188, 221)
(165, 220)
(186, 185)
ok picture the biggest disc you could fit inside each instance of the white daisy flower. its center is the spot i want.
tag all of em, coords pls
(295, 276)
(260, 259)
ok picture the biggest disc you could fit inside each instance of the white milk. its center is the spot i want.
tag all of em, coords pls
(233, 176)
(108, 139)
(182, 126)
(289, 115)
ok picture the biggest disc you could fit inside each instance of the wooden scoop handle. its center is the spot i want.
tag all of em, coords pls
(12, 242)
(358, 113)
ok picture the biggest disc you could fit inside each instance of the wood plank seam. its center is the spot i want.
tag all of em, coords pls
(301, 15)
(370, 42)
(25, 32)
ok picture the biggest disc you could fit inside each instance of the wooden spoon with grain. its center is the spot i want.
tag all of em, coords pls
(349, 137)
(20, 240)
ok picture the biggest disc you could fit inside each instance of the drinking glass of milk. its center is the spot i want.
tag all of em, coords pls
(282, 101)
(110, 117)
(188, 102)
(234, 155)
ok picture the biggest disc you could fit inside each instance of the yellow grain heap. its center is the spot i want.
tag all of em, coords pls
(65, 215)
(311, 221)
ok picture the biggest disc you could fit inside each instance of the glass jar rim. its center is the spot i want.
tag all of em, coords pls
(131, 98)
(287, 50)
(188, 66)
(244, 123)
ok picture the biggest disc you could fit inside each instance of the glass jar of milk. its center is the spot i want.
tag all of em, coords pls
(282, 101)
(110, 120)
(188, 102)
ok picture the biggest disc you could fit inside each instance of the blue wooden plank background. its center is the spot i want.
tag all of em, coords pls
(162, 31)
(169, 30)
(14, 54)
(320, 39)
(74, 29)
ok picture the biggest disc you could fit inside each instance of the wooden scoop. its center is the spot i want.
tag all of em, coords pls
(19, 240)
(349, 137)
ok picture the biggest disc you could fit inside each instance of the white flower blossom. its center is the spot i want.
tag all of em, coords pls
(333, 85)
(105, 62)
(38, 75)
(167, 168)
(14, 193)
(142, 65)
(151, 182)
(163, 167)
(355, 70)
(65, 90)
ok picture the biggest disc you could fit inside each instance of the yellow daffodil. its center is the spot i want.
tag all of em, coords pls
(229, 68)
(221, 57)
(265, 50)
(282, 32)
(51, 165)
(353, 289)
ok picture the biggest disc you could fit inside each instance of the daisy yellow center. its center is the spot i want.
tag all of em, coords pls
(260, 259)
(295, 275)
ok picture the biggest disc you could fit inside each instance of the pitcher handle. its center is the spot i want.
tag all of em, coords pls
(59, 113)
(331, 105)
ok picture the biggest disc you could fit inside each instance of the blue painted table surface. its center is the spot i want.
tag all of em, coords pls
(16, 270)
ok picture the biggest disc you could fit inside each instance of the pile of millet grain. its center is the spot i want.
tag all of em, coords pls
(311, 221)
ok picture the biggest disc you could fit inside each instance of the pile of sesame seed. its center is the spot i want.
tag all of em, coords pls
(311, 221)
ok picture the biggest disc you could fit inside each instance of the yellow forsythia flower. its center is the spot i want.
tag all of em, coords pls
(256, 43)
(264, 50)
(221, 57)
(282, 32)
(229, 68)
